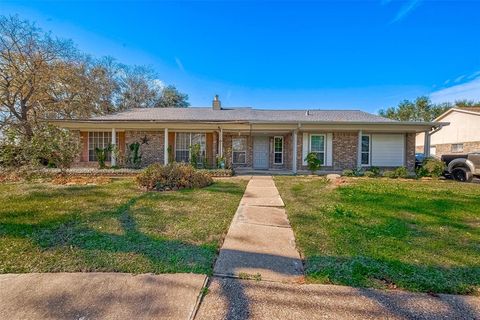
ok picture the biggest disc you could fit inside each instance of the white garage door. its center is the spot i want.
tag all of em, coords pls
(388, 150)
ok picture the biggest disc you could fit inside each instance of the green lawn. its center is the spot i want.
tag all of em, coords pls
(113, 227)
(415, 235)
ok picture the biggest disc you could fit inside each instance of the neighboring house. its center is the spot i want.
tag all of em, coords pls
(461, 136)
(254, 139)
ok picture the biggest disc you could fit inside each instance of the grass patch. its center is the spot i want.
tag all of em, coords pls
(415, 235)
(113, 227)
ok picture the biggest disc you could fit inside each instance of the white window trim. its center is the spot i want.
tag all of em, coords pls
(274, 152)
(369, 151)
(324, 145)
(117, 139)
(244, 151)
(190, 133)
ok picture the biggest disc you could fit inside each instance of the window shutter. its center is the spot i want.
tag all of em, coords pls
(329, 161)
(305, 148)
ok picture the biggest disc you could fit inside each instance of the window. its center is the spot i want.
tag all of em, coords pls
(457, 147)
(365, 150)
(183, 141)
(278, 150)
(317, 146)
(239, 150)
(99, 140)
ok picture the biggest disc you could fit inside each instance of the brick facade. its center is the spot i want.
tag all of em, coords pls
(152, 151)
(227, 151)
(344, 150)
(468, 147)
(410, 151)
(344, 153)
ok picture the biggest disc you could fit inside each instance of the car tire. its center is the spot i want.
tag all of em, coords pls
(462, 174)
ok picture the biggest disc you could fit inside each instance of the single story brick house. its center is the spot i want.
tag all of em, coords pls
(252, 138)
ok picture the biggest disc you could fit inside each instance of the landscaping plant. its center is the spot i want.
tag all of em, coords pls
(431, 167)
(134, 156)
(173, 176)
(313, 163)
(102, 154)
(195, 154)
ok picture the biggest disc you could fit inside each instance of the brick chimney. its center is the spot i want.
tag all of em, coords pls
(216, 104)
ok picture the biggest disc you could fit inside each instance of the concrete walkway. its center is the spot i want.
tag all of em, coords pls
(99, 296)
(260, 245)
(260, 242)
(236, 299)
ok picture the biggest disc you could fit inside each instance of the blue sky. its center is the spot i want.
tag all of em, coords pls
(327, 54)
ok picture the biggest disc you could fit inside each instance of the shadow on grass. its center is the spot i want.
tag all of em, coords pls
(70, 231)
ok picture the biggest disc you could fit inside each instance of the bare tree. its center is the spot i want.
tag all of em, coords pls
(30, 62)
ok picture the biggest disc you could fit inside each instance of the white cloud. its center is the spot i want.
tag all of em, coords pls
(179, 64)
(465, 91)
(405, 10)
(460, 78)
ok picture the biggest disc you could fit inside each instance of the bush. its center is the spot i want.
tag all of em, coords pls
(348, 173)
(173, 176)
(389, 174)
(370, 174)
(431, 167)
(375, 171)
(401, 172)
(313, 163)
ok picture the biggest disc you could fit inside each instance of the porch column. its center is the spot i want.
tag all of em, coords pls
(294, 151)
(359, 150)
(426, 144)
(165, 146)
(220, 142)
(114, 147)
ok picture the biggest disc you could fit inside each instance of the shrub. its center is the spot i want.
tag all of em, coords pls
(173, 176)
(431, 167)
(313, 163)
(370, 174)
(134, 155)
(102, 154)
(389, 174)
(195, 155)
(348, 173)
(375, 171)
(401, 172)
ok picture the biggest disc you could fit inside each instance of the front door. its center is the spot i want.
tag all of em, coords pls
(260, 152)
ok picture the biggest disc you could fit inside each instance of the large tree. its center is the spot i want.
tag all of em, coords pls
(172, 98)
(422, 109)
(32, 67)
(45, 77)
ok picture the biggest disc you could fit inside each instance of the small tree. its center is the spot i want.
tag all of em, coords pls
(134, 156)
(58, 147)
(313, 162)
(195, 151)
(102, 154)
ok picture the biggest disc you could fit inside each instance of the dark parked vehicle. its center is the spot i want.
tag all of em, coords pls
(462, 167)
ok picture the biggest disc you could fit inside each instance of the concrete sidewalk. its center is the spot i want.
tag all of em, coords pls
(99, 296)
(260, 243)
(248, 299)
